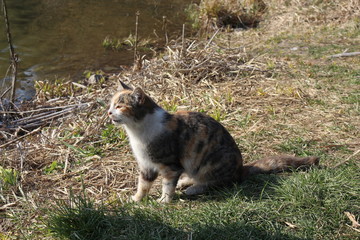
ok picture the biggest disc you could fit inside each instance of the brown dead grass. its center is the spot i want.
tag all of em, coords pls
(233, 13)
(265, 94)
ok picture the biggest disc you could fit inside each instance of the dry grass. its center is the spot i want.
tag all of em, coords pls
(227, 13)
(274, 88)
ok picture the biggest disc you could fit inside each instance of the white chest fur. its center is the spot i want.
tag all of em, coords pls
(142, 133)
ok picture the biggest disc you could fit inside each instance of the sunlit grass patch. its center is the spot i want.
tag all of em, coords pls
(315, 202)
(300, 147)
(352, 98)
(8, 177)
(58, 88)
(112, 134)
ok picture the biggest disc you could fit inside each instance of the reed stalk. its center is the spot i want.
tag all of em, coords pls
(136, 35)
(13, 55)
(165, 30)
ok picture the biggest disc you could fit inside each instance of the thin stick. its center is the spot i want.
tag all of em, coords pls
(351, 54)
(5, 92)
(22, 156)
(211, 39)
(13, 55)
(46, 109)
(165, 30)
(347, 159)
(67, 161)
(229, 36)
(43, 117)
(351, 217)
(17, 139)
(136, 35)
(4, 207)
(183, 41)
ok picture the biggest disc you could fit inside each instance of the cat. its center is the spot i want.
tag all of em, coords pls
(188, 144)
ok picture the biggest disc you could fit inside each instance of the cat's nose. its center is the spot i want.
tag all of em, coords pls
(109, 113)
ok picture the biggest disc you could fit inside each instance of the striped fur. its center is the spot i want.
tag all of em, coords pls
(188, 144)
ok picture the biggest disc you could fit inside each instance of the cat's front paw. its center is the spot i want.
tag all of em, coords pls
(165, 199)
(136, 198)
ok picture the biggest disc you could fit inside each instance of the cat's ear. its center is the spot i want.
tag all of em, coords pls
(123, 86)
(139, 96)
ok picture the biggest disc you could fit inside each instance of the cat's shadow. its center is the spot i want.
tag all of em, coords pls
(255, 188)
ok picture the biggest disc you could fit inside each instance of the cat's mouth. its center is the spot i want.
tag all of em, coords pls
(116, 121)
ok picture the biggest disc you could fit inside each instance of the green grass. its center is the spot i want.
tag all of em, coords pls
(217, 114)
(111, 134)
(313, 202)
(80, 218)
(8, 177)
(127, 43)
(300, 147)
(54, 166)
(353, 98)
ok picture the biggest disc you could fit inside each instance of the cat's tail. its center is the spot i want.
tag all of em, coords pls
(276, 164)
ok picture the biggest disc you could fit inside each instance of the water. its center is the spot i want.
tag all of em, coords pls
(63, 38)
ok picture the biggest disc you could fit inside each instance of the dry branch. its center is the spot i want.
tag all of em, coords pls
(347, 159)
(19, 138)
(5, 92)
(13, 55)
(354, 224)
(351, 217)
(351, 54)
(43, 116)
(8, 205)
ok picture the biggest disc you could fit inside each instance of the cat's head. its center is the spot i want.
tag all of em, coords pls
(129, 105)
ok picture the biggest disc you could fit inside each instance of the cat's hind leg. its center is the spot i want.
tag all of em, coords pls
(219, 170)
(185, 181)
(196, 189)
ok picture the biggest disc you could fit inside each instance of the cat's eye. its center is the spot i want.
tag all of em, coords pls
(120, 108)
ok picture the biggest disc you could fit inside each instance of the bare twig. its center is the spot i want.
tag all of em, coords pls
(290, 225)
(136, 36)
(19, 138)
(351, 217)
(22, 155)
(4, 207)
(351, 54)
(39, 119)
(229, 36)
(45, 109)
(13, 55)
(347, 159)
(66, 161)
(211, 39)
(43, 116)
(5, 92)
(182, 54)
(165, 30)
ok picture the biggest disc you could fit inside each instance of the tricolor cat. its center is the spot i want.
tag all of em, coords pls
(188, 144)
